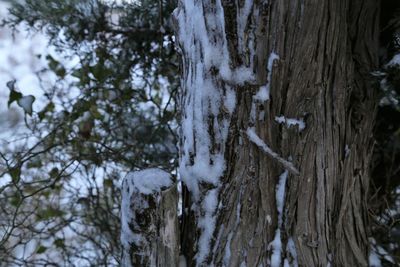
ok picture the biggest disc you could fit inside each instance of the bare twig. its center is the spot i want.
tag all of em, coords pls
(261, 144)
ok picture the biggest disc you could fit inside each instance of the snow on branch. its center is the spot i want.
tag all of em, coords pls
(261, 144)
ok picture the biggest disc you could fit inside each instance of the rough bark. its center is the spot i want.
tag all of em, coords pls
(327, 50)
(150, 233)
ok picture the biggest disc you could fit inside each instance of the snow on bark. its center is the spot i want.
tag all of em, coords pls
(208, 102)
(291, 122)
(227, 255)
(263, 93)
(242, 17)
(291, 250)
(202, 158)
(208, 76)
(203, 99)
(261, 144)
(276, 244)
(280, 195)
(148, 181)
(149, 221)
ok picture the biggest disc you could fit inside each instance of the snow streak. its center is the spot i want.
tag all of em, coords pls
(208, 93)
(261, 144)
(291, 122)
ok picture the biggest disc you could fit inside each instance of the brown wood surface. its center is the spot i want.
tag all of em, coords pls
(157, 224)
(327, 50)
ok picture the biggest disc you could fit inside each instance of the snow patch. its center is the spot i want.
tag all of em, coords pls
(227, 251)
(291, 249)
(374, 259)
(280, 195)
(291, 122)
(238, 76)
(238, 210)
(377, 254)
(207, 224)
(269, 219)
(263, 94)
(276, 246)
(272, 57)
(210, 201)
(148, 181)
(395, 61)
(230, 100)
(346, 151)
(261, 115)
(242, 18)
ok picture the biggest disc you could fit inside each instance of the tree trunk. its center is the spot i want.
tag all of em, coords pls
(277, 109)
(149, 220)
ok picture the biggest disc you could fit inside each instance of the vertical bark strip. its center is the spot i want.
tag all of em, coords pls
(251, 65)
(149, 219)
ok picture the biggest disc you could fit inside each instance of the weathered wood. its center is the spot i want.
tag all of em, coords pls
(150, 235)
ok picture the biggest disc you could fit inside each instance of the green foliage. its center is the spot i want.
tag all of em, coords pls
(14, 96)
(112, 112)
(41, 249)
(114, 56)
(15, 174)
(25, 102)
(49, 213)
(59, 243)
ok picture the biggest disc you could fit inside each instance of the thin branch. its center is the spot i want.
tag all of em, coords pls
(253, 137)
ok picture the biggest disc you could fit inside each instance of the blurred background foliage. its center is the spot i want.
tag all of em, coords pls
(110, 112)
(384, 194)
(113, 110)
